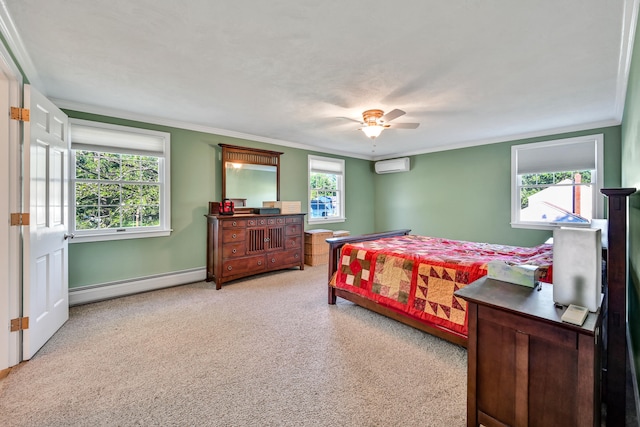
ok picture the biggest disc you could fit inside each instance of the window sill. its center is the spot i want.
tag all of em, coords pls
(84, 238)
(548, 226)
(317, 221)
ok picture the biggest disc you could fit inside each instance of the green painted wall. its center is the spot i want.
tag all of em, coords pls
(631, 178)
(465, 194)
(460, 194)
(196, 180)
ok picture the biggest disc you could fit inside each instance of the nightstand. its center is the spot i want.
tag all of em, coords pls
(525, 366)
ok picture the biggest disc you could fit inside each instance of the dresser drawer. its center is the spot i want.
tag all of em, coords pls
(276, 220)
(252, 264)
(231, 223)
(294, 220)
(285, 258)
(233, 235)
(256, 222)
(293, 229)
(246, 244)
(291, 242)
(231, 250)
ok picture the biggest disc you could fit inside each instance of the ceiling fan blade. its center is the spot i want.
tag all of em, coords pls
(393, 114)
(404, 125)
(350, 119)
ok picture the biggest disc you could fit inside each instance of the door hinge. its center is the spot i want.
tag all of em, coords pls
(21, 114)
(19, 219)
(19, 324)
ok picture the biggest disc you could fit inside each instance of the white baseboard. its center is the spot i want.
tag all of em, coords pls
(103, 291)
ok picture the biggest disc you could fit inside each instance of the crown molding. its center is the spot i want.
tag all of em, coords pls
(17, 48)
(507, 138)
(629, 27)
(105, 111)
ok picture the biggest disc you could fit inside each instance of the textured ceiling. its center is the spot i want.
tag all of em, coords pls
(298, 72)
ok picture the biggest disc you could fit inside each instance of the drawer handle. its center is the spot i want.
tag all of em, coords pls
(233, 236)
(234, 250)
(234, 223)
(259, 262)
(273, 260)
(229, 267)
(266, 239)
(296, 256)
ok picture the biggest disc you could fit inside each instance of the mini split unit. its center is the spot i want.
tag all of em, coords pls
(393, 165)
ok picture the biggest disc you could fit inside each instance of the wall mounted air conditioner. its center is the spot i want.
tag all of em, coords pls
(393, 165)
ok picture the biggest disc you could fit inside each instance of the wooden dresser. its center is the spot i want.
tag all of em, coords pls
(525, 366)
(246, 244)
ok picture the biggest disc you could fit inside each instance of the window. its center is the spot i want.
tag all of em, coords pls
(557, 182)
(120, 182)
(326, 190)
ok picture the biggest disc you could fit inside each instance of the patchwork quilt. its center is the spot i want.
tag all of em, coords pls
(418, 275)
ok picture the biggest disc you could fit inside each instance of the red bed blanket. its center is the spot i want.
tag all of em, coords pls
(418, 275)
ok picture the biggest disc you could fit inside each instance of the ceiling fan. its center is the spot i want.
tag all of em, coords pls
(375, 121)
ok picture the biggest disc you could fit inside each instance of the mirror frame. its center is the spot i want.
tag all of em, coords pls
(254, 156)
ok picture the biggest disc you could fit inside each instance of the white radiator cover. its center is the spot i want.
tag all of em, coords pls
(393, 165)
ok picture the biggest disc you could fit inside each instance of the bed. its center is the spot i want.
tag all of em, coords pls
(614, 307)
(414, 277)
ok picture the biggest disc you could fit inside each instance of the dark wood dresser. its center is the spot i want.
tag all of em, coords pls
(246, 244)
(525, 366)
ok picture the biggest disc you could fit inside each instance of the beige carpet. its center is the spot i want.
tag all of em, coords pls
(266, 351)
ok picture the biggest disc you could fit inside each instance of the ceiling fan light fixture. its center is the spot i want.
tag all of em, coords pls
(372, 131)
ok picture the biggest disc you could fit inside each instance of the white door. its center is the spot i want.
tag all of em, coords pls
(45, 291)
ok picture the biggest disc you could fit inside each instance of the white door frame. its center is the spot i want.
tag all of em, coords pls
(10, 191)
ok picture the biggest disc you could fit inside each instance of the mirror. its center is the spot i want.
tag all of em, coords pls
(250, 176)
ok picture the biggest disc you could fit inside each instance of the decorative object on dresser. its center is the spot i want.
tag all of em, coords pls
(266, 210)
(226, 207)
(290, 207)
(518, 274)
(246, 244)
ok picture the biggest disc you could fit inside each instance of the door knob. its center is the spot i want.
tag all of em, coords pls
(69, 236)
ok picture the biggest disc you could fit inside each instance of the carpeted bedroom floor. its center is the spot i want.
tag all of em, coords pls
(265, 351)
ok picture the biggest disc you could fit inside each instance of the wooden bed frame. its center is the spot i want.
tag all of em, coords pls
(614, 306)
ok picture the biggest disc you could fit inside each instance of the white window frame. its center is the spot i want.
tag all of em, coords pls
(337, 168)
(106, 137)
(552, 150)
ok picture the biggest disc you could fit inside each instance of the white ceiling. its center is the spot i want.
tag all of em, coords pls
(298, 72)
